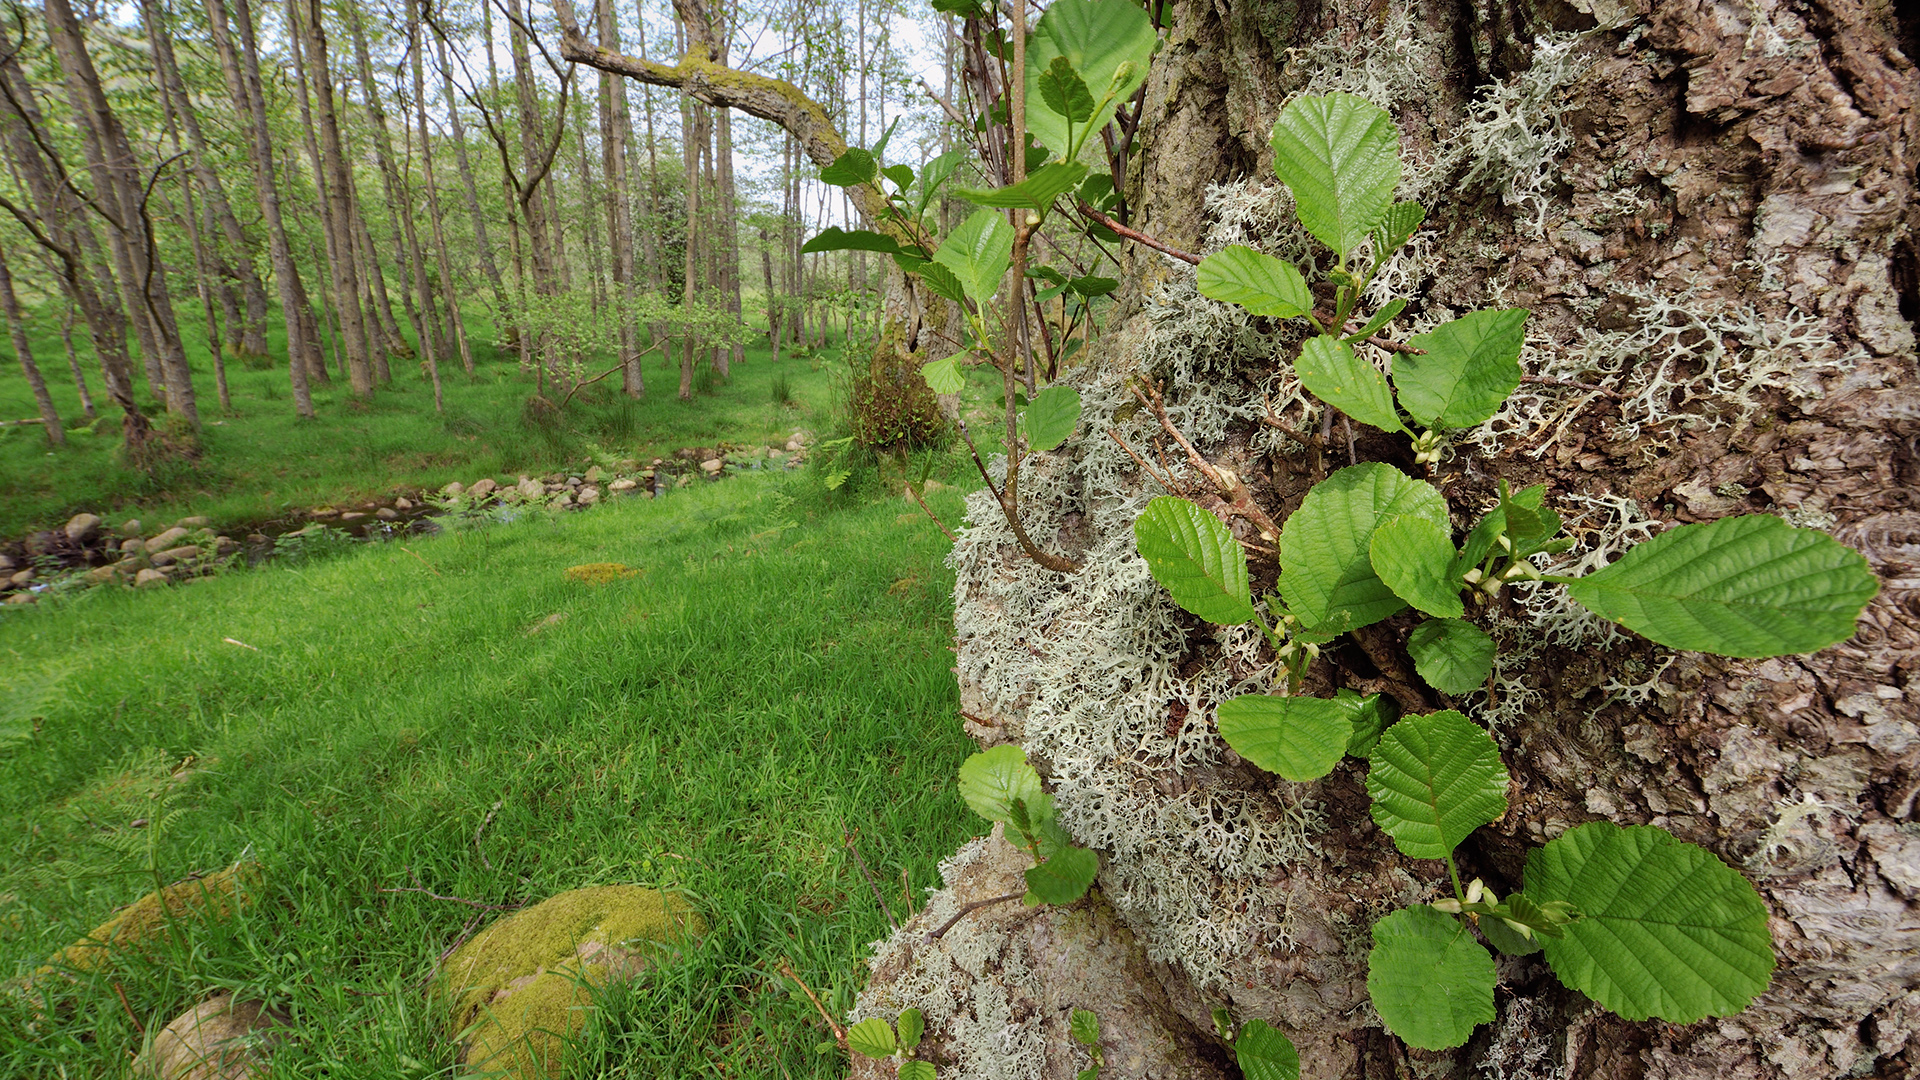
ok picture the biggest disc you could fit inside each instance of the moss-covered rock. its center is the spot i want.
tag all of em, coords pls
(146, 920)
(521, 988)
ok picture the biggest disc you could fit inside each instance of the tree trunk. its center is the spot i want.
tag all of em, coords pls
(398, 201)
(616, 129)
(455, 326)
(337, 197)
(23, 352)
(73, 360)
(483, 244)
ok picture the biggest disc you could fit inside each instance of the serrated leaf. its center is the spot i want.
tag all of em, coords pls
(1052, 416)
(990, 782)
(1264, 285)
(937, 277)
(1741, 586)
(1415, 557)
(1494, 524)
(871, 1037)
(978, 253)
(850, 169)
(1265, 1054)
(901, 175)
(916, 1070)
(1325, 558)
(934, 173)
(1097, 190)
(1470, 366)
(1340, 156)
(1195, 558)
(913, 1023)
(1085, 1027)
(834, 238)
(1453, 655)
(1036, 192)
(1509, 941)
(1300, 738)
(1065, 92)
(1091, 1072)
(1380, 318)
(944, 375)
(1063, 878)
(1331, 372)
(1434, 779)
(1396, 227)
(1667, 930)
(1373, 714)
(1093, 285)
(1431, 982)
(1524, 522)
(1101, 39)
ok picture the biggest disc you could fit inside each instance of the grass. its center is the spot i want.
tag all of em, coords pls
(638, 730)
(261, 460)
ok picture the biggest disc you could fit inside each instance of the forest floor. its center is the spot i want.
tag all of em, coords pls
(260, 460)
(348, 724)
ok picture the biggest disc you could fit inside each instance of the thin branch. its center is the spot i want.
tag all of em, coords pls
(839, 1033)
(861, 862)
(966, 909)
(915, 492)
(1138, 237)
(1591, 388)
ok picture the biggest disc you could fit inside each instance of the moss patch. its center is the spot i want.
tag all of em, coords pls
(522, 986)
(215, 896)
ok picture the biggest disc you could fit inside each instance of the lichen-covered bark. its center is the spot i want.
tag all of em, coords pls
(1709, 210)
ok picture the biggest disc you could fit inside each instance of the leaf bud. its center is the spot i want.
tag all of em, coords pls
(1449, 905)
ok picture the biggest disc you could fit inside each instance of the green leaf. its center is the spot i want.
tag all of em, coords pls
(1740, 586)
(913, 1023)
(851, 169)
(1494, 524)
(1431, 982)
(1065, 92)
(1093, 285)
(1668, 930)
(1470, 366)
(1434, 779)
(1091, 1072)
(1300, 738)
(1380, 318)
(1453, 655)
(1372, 715)
(937, 277)
(1396, 227)
(944, 375)
(978, 253)
(993, 779)
(1524, 522)
(1109, 42)
(834, 238)
(1325, 557)
(1097, 191)
(871, 1037)
(1052, 416)
(1036, 192)
(1265, 1054)
(935, 173)
(1194, 557)
(1329, 370)
(901, 175)
(1415, 557)
(1264, 285)
(1509, 941)
(1340, 156)
(916, 1070)
(1085, 1027)
(1063, 878)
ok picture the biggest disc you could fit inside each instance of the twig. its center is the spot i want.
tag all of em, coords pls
(936, 935)
(906, 890)
(484, 822)
(242, 644)
(839, 1033)
(459, 900)
(1167, 482)
(1589, 387)
(137, 1025)
(872, 883)
(915, 492)
(589, 382)
(423, 562)
(1228, 483)
(1139, 237)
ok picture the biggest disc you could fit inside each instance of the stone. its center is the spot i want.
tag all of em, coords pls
(624, 484)
(454, 490)
(352, 515)
(100, 575)
(775, 454)
(193, 523)
(225, 545)
(133, 547)
(595, 475)
(131, 527)
(999, 987)
(22, 578)
(573, 481)
(21, 598)
(561, 501)
(794, 446)
(403, 504)
(149, 578)
(83, 527)
(587, 496)
(517, 990)
(483, 487)
(532, 489)
(179, 554)
(166, 539)
(387, 513)
(215, 1040)
(7, 563)
(712, 467)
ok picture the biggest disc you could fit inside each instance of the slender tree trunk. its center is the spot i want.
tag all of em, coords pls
(615, 130)
(243, 85)
(483, 245)
(23, 352)
(338, 198)
(73, 360)
(393, 186)
(448, 289)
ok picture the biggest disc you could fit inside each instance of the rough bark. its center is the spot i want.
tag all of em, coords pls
(1710, 212)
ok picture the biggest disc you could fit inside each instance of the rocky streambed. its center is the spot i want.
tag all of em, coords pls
(89, 552)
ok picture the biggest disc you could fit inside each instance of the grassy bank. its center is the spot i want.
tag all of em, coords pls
(776, 677)
(259, 459)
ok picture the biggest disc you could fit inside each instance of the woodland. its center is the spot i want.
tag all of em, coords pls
(1322, 539)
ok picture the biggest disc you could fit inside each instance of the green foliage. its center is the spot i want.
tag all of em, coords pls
(913, 1024)
(1468, 368)
(1002, 787)
(1325, 546)
(1452, 655)
(1107, 44)
(1036, 192)
(1431, 982)
(872, 1037)
(1051, 417)
(1264, 285)
(852, 168)
(1340, 156)
(1433, 780)
(916, 1070)
(1193, 556)
(1331, 372)
(1084, 1026)
(1414, 557)
(1264, 1053)
(1300, 738)
(834, 238)
(1065, 92)
(1062, 878)
(1740, 586)
(1669, 931)
(994, 779)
